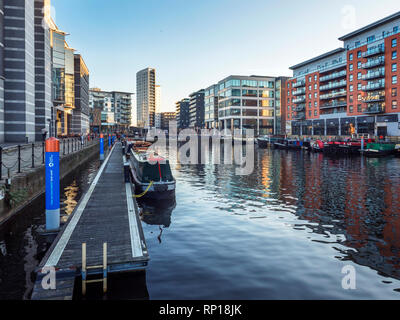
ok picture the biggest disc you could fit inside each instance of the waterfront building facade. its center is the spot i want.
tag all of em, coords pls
(182, 113)
(19, 71)
(196, 109)
(353, 89)
(1, 71)
(146, 98)
(121, 104)
(166, 118)
(247, 102)
(80, 115)
(211, 107)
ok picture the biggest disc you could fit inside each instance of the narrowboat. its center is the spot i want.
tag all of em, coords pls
(379, 149)
(317, 146)
(151, 173)
(263, 142)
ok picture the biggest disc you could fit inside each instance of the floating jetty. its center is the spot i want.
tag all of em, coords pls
(103, 235)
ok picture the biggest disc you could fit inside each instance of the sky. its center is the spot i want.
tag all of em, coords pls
(193, 44)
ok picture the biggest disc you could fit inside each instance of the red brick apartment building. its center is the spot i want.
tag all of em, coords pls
(351, 89)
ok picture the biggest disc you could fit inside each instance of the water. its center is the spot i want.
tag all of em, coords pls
(21, 247)
(283, 232)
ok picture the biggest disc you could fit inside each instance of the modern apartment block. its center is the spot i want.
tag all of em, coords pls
(146, 97)
(43, 101)
(1, 71)
(182, 113)
(356, 86)
(196, 109)
(211, 107)
(80, 114)
(116, 110)
(249, 102)
(19, 71)
(166, 117)
(122, 107)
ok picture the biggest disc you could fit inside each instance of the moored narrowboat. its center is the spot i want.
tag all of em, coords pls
(150, 173)
(379, 149)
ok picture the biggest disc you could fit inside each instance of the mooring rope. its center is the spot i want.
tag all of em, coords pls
(142, 194)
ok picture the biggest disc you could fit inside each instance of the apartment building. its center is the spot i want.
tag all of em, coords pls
(250, 102)
(115, 108)
(80, 115)
(196, 109)
(350, 89)
(2, 71)
(211, 107)
(182, 113)
(166, 118)
(146, 97)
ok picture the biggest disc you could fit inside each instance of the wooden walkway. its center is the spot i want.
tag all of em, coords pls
(106, 213)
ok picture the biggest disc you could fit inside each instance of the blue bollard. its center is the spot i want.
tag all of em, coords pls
(101, 147)
(52, 172)
(109, 141)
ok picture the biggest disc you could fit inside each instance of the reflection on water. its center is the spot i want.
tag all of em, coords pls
(285, 231)
(21, 248)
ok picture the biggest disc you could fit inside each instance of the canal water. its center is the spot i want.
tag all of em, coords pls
(286, 231)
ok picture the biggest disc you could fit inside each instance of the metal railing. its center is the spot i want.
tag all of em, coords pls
(25, 157)
(335, 75)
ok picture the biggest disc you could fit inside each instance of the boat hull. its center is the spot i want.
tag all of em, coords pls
(263, 143)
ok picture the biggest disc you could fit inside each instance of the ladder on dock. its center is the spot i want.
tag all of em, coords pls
(85, 267)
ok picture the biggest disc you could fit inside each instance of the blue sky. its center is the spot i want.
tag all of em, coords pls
(193, 44)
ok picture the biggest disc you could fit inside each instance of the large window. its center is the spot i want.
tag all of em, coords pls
(249, 83)
(249, 93)
(249, 112)
(266, 94)
(249, 103)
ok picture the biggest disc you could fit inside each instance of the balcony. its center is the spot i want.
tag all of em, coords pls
(298, 84)
(299, 92)
(340, 74)
(373, 86)
(299, 99)
(375, 108)
(332, 95)
(334, 104)
(299, 116)
(374, 63)
(333, 85)
(300, 108)
(373, 51)
(374, 98)
(374, 74)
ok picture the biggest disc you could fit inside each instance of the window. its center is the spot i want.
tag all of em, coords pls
(359, 76)
(370, 39)
(358, 86)
(394, 104)
(359, 97)
(351, 77)
(394, 67)
(395, 29)
(358, 54)
(394, 43)
(394, 79)
(359, 108)
(315, 86)
(315, 95)
(309, 87)
(351, 57)
(357, 44)
(359, 65)
(315, 77)
(394, 54)
(351, 88)
(309, 96)
(309, 79)
(315, 112)
(394, 92)
(351, 109)
(315, 104)
(351, 98)
(351, 67)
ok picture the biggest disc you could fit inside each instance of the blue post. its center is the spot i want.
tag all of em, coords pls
(101, 147)
(52, 172)
(109, 141)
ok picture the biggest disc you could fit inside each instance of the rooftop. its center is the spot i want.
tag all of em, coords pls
(322, 56)
(371, 26)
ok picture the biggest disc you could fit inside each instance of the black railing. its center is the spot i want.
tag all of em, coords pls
(24, 157)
